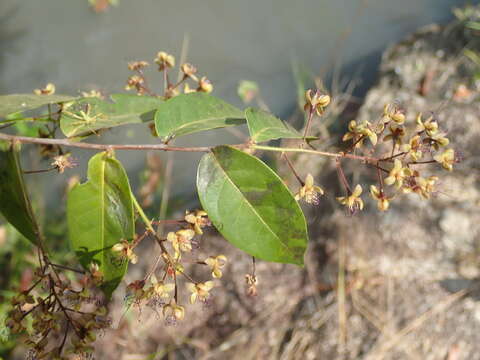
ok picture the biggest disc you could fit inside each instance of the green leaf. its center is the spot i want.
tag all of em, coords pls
(14, 201)
(251, 206)
(89, 115)
(100, 214)
(264, 126)
(190, 113)
(21, 102)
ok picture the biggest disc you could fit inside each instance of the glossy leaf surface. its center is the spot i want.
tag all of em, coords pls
(89, 115)
(263, 126)
(251, 206)
(14, 201)
(190, 113)
(22, 102)
(100, 214)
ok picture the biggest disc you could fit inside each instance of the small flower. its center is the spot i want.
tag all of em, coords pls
(316, 101)
(205, 85)
(160, 289)
(135, 290)
(357, 132)
(125, 250)
(396, 134)
(198, 219)
(252, 282)
(135, 82)
(430, 126)
(421, 186)
(189, 71)
(413, 148)
(181, 240)
(62, 162)
(352, 202)
(437, 140)
(164, 60)
(216, 263)
(446, 158)
(382, 201)
(171, 92)
(137, 65)
(309, 191)
(200, 291)
(393, 112)
(173, 310)
(49, 89)
(397, 174)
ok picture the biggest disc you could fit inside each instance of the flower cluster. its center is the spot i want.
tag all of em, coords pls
(165, 63)
(58, 316)
(160, 291)
(399, 162)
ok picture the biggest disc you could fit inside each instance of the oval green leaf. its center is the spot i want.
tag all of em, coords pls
(89, 115)
(251, 206)
(100, 214)
(190, 113)
(263, 126)
(10, 104)
(15, 204)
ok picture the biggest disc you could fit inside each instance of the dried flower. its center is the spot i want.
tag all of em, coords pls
(309, 191)
(252, 282)
(397, 132)
(62, 162)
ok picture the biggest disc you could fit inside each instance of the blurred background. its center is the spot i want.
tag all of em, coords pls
(283, 46)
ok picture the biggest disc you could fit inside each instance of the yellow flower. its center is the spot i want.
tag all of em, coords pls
(397, 174)
(164, 60)
(383, 201)
(438, 140)
(181, 240)
(446, 158)
(205, 85)
(216, 263)
(173, 310)
(200, 291)
(413, 148)
(316, 101)
(353, 202)
(198, 219)
(421, 186)
(49, 89)
(189, 71)
(430, 126)
(356, 132)
(309, 191)
(161, 289)
(137, 65)
(392, 112)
